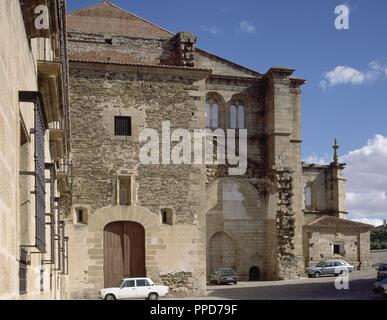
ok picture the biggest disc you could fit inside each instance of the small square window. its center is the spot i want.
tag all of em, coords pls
(123, 126)
(167, 216)
(336, 249)
(81, 215)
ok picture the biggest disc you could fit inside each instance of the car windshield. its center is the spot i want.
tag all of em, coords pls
(320, 264)
(228, 272)
(119, 285)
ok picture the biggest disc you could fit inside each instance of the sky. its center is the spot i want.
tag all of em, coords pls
(346, 71)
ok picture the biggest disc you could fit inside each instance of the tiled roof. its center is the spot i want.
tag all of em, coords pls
(108, 18)
(333, 222)
(83, 60)
(104, 57)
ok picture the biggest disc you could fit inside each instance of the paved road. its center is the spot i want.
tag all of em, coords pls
(360, 288)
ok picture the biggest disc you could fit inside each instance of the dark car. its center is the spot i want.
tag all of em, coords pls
(380, 287)
(223, 276)
(382, 270)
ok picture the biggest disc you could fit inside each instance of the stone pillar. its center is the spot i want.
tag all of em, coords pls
(284, 162)
(337, 183)
(364, 250)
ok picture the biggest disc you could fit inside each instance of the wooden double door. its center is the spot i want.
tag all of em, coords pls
(124, 252)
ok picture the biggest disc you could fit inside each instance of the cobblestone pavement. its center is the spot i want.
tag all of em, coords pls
(360, 288)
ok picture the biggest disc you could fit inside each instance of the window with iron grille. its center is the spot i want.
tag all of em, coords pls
(40, 179)
(23, 272)
(40, 127)
(123, 126)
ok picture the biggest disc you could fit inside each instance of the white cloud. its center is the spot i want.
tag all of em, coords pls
(247, 27)
(315, 159)
(375, 222)
(212, 30)
(366, 175)
(347, 75)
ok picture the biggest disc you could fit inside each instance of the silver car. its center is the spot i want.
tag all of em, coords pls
(329, 267)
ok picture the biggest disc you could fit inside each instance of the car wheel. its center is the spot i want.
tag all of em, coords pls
(110, 297)
(317, 274)
(153, 296)
(235, 282)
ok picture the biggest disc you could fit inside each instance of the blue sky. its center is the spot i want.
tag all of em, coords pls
(299, 34)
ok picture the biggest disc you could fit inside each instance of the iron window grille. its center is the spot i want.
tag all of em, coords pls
(123, 126)
(23, 266)
(40, 127)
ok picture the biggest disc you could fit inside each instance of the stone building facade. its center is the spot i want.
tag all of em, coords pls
(98, 213)
(177, 223)
(327, 233)
(33, 145)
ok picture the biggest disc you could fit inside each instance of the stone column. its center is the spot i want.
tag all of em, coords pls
(284, 163)
(338, 194)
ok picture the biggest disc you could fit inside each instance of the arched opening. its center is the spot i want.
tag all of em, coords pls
(254, 274)
(212, 114)
(222, 252)
(308, 198)
(237, 115)
(124, 251)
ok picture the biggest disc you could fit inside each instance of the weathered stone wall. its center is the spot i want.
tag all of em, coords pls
(124, 49)
(378, 256)
(283, 105)
(149, 97)
(355, 247)
(16, 73)
(328, 190)
(237, 233)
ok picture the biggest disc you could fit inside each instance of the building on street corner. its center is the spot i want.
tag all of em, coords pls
(34, 146)
(79, 210)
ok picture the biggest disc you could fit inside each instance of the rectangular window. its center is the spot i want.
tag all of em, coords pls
(129, 284)
(23, 265)
(336, 249)
(124, 191)
(81, 215)
(123, 126)
(40, 127)
(142, 283)
(167, 216)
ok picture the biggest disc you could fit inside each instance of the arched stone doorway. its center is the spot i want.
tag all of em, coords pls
(222, 252)
(124, 251)
(254, 274)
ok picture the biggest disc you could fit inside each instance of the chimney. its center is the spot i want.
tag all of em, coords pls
(186, 42)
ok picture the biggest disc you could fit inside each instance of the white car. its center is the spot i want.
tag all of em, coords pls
(135, 288)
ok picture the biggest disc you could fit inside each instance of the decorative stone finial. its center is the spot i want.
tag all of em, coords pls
(335, 153)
